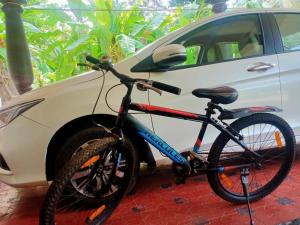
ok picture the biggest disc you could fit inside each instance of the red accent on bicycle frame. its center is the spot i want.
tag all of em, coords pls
(152, 108)
(198, 142)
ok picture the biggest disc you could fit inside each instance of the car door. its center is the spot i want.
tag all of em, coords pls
(228, 51)
(287, 28)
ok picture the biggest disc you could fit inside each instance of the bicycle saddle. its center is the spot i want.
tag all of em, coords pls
(218, 95)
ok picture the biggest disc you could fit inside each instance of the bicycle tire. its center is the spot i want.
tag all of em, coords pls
(56, 189)
(219, 145)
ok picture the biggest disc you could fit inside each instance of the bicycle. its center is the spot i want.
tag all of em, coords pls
(240, 166)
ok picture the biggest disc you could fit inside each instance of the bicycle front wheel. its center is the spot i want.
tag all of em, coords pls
(103, 167)
(268, 135)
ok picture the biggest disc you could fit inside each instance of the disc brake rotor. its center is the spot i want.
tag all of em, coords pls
(97, 176)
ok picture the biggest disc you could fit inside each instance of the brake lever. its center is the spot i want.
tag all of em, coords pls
(143, 86)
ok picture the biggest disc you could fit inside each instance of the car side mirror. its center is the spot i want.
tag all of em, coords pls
(169, 56)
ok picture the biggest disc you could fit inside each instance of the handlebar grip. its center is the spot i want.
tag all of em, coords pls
(166, 87)
(92, 60)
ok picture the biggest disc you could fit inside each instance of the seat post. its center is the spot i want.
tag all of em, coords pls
(209, 112)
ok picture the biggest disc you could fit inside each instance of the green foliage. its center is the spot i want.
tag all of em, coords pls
(290, 42)
(59, 39)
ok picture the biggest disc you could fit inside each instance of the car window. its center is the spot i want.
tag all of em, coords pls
(289, 28)
(227, 39)
(194, 55)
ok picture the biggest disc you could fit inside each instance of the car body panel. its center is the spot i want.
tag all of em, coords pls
(23, 146)
(290, 80)
(76, 97)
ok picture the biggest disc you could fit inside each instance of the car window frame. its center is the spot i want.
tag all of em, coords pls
(146, 65)
(268, 47)
(277, 34)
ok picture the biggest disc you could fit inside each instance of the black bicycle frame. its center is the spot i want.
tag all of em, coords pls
(135, 126)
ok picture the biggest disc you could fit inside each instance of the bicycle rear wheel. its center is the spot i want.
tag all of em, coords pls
(266, 134)
(87, 168)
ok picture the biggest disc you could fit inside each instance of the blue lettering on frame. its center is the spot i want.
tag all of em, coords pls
(162, 146)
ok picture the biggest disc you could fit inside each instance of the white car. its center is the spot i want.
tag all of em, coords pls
(256, 52)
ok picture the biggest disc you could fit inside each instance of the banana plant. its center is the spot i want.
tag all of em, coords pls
(59, 39)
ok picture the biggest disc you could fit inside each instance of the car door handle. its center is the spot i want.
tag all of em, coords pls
(261, 66)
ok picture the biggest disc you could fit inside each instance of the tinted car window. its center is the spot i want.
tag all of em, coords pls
(289, 28)
(227, 39)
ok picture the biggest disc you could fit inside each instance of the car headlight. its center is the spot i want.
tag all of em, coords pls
(9, 114)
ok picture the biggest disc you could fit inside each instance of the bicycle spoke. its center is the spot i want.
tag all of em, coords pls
(266, 140)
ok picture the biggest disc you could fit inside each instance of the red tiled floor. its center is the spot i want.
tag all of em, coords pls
(158, 201)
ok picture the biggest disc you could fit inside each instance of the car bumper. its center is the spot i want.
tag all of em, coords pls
(23, 145)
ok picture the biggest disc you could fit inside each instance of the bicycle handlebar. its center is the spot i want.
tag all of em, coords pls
(166, 87)
(106, 65)
(92, 60)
